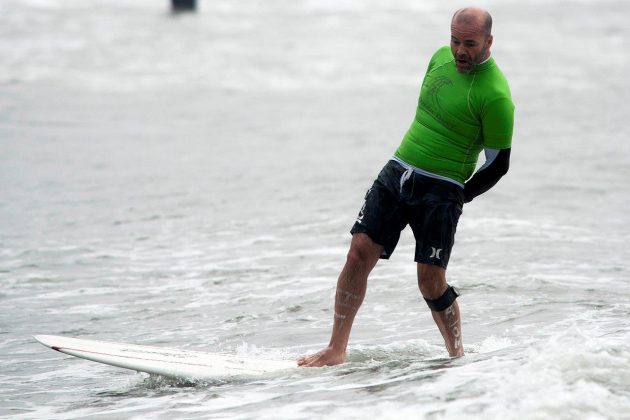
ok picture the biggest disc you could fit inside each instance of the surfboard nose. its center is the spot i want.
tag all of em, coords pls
(46, 340)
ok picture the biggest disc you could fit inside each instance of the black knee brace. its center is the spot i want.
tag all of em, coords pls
(444, 301)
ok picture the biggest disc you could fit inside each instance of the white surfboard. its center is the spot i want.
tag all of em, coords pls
(172, 363)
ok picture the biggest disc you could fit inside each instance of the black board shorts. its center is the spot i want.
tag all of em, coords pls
(401, 197)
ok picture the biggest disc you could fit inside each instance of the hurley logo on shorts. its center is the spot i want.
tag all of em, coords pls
(435, 253)
(362, 211)
(361, 214)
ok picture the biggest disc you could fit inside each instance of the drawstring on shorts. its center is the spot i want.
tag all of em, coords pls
(405, 177)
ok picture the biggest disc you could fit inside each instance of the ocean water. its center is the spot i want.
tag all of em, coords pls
(189, 181)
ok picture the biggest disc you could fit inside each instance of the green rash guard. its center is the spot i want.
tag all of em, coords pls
(458, 115)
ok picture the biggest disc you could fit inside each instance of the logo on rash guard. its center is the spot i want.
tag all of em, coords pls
(435, 253)
(430, 98)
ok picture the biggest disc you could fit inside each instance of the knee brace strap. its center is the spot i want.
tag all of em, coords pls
(444, 301)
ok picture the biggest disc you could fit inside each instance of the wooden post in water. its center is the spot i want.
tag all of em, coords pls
(178, 6)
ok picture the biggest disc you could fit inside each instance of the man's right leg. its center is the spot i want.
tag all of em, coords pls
(351, 286)
(432, 283)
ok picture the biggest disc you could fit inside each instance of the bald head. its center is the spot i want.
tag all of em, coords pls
(474, 16)
(471, 38)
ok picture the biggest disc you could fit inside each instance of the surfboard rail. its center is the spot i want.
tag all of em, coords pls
(169, 362)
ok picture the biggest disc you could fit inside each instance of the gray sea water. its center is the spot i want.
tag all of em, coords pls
(189, 181)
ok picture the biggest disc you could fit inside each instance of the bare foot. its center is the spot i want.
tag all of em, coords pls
(459, 352)
(326, 357)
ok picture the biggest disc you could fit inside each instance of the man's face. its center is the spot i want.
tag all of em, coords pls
(470, 45)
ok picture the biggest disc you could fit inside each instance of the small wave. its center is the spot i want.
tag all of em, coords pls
(412, 350)
(162, 382)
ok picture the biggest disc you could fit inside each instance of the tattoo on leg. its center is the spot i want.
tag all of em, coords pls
(346, 295)
(339, 317)
(347, 300)
(451, 322)
(346, 304)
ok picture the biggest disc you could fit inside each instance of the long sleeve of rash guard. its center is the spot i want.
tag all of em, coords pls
(497, 165)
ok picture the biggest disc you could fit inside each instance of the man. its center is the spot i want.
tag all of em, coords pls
(465, 106)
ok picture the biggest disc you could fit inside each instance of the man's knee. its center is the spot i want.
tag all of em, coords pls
(431, 280)
(363, 250)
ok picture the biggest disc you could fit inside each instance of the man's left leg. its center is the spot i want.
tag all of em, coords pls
(432, 283)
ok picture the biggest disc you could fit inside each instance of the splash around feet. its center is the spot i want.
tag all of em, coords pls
(326, 357)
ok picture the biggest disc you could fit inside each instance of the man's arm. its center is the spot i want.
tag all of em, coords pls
(497, 165)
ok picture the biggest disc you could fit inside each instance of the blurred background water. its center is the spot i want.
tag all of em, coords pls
(189, 181)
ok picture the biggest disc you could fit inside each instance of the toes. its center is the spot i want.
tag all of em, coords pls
(308, 361)
(311, 363)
